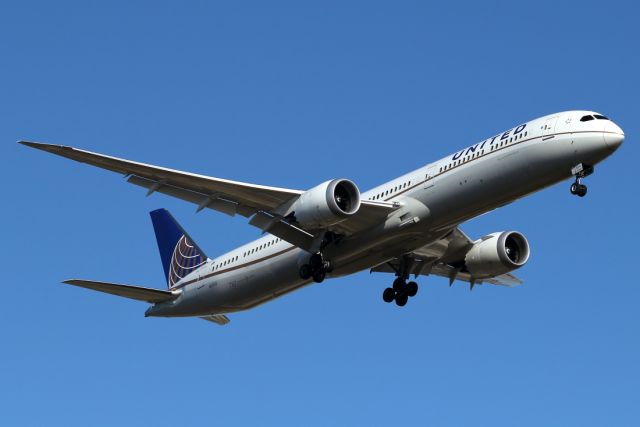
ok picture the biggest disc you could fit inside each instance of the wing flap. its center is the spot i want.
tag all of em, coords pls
(211, 201)
(127, 291)
(220, 319)
(508, 279)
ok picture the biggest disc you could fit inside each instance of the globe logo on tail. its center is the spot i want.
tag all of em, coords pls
(185, 259)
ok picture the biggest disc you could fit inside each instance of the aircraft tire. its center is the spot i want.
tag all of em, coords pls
(401, 300)
(388, 295)
(574, 188)
(315, 261)
(582, 190)
(412, 289)
(305, 272)
(319, 276)
(399, 285)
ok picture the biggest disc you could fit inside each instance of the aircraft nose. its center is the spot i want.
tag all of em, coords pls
(613, 136)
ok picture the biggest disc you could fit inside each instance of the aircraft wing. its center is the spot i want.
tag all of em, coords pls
(444, 257)
(229, 197)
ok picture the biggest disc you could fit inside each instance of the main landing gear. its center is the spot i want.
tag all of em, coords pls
(316, 269)
(400, 292)
(580, 171)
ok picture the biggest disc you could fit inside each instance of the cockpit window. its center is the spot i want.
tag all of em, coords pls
(599, 117)
(586, 118)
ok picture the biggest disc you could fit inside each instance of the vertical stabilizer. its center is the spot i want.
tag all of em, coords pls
(180, 255)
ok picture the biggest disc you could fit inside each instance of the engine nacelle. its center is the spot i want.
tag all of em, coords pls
(497, 253)
(327, 204)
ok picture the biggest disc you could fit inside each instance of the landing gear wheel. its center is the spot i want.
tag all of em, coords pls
(399, 284)
(315, 261)
(388, 295)
(578, 189)
(412, 289)
(319, 276)
(582, 190)
(580, 171)
(305, 272)
(574, 188)
(401, 300)
(317, 268)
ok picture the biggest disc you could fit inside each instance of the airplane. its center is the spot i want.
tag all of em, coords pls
(406, 227)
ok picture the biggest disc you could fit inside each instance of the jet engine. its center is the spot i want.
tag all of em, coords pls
(326, 204)
(496, 254)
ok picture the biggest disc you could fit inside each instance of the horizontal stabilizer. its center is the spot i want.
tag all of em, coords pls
(127, 291)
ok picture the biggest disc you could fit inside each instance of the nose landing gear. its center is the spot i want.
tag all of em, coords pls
(578, 189)
(580, 171)
(400, 292)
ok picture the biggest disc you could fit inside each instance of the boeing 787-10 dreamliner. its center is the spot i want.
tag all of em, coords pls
(406, 227)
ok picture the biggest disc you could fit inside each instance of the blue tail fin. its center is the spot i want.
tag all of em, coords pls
(179, 253)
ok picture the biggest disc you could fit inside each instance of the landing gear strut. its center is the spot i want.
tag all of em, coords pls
(400, 292)
(316, 269)
(580, 171)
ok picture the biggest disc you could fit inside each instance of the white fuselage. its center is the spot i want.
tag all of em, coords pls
(433, 199)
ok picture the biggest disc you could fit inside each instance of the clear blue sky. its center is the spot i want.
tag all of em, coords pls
(291, 94)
